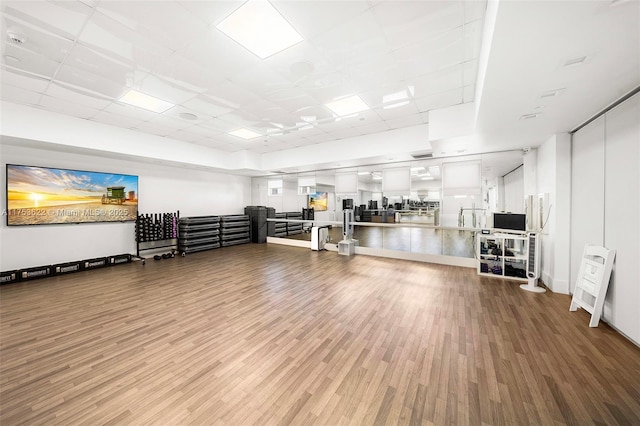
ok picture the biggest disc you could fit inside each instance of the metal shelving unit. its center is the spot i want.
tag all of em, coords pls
(198, 233)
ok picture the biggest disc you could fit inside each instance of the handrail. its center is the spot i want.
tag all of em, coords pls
(382, 225)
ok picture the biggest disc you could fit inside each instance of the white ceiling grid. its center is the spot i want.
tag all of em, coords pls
(79, 57)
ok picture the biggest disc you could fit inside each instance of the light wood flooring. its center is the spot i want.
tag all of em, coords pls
(269, 334)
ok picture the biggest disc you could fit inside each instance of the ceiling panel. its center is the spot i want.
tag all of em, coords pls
(404, 121)
(94, 51)
(68, 108)
(19, 95)
(78, 96)
(118, 120)
(30, 62)
(17, 78)
(312, 18)
(52, 17)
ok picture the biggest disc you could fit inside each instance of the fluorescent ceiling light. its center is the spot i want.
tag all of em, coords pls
(245, 133)
(142, 100)
(347, 106)
(259, 27)
(396, 105)
(308, 118)
(397, 96)
(364, 173)
(376, 177)
(427, 178)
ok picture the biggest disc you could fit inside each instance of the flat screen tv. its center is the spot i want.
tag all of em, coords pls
(318, 201)
(510, 222)
(44, 195)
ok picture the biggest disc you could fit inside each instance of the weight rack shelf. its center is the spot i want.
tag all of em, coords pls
(198, 233)
(235, 229)
(294, 228)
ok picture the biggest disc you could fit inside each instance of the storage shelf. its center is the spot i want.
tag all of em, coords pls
(512, 266)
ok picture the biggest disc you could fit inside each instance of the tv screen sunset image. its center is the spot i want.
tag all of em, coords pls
(41, 195)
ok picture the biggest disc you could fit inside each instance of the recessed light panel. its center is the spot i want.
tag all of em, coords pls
(347, 106)
(142, 100)
(244, 134)
(260, 28)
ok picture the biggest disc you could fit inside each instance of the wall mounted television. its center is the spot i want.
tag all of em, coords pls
(318, 201)
(510, 222)
(44, 195)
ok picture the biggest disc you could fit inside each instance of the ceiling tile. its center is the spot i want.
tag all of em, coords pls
(217, 124)
(167, 89)
(155, 128)
(469, 93)
(116, 119)
(131, 111)
(87, 80)
(472, 39)
(18, 95)
(185, 136)
(54, 17)
(204, 104)
(28, 61)
(401, 111)
(208, 132)
(211, 13)
(110, 37)
(78, 96)
(218, 54)
(437, 82)
(312, 18)
(405, 121)
(66, 107)
(470, 72)
(439, 100)
(100, 63)
(474, 10)
(233, 95)
(17, 78)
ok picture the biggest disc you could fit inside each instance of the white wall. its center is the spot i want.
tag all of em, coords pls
(161, 189)
(514, 191)
(553, 168)
(606, 206)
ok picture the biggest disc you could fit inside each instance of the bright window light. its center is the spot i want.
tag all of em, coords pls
(245, 133)
(260, 28)
(142, 100)
(347, 106)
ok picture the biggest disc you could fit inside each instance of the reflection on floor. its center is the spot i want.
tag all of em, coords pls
(414, 240)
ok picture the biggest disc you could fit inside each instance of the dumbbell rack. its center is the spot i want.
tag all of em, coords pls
(156, 231)
(235, 229)
(198, 233)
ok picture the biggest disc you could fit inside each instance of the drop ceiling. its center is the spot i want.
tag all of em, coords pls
(402, 58)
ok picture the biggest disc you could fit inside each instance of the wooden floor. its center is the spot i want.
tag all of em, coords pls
(269, 334)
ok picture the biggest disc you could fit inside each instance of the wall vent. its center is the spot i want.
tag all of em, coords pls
(422, 156)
